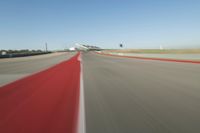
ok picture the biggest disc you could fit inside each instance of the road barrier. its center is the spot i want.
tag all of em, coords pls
(23, 54)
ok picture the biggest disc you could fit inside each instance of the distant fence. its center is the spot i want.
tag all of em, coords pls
(22, 54)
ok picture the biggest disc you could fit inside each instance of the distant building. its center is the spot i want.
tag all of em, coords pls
(81, 47)
(86, 47)
(72, 49)
(3, 52)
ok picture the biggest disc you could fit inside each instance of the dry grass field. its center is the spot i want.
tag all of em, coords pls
(156, 51)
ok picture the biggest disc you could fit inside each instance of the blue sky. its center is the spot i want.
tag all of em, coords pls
(28, 24)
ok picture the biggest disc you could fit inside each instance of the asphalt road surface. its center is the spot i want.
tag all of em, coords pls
(140, 96)
(12, 69)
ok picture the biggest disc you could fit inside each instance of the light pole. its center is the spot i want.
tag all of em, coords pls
(46, 47)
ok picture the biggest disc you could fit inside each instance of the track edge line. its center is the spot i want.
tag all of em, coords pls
(81, 118)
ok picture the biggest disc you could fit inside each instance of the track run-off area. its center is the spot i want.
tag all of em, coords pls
(45, 102)
(93, 93)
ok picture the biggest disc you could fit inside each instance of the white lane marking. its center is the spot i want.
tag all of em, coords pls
(81, 121)
(79, 58)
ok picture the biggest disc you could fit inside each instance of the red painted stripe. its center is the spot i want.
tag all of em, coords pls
(159, 59)
(46, 102)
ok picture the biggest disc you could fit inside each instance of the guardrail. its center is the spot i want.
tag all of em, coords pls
(22, 54)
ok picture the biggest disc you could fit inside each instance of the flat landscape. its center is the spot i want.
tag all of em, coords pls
(100, 66)
(180, 54)
(156, 51)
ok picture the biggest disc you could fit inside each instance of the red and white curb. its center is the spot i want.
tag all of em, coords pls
(148, 58)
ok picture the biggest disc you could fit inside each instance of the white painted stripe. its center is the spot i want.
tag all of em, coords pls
(81, 121)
